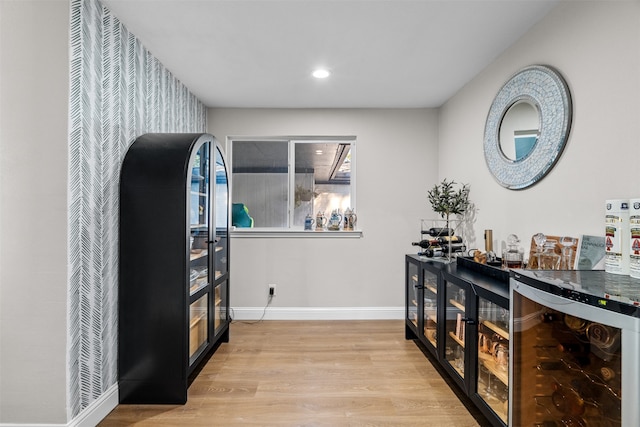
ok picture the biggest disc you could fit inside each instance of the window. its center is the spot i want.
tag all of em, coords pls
(274, 195)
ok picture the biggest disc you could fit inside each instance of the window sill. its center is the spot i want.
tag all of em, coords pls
(256, 233)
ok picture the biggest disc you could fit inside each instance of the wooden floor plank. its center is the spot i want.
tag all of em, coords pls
(311, 373)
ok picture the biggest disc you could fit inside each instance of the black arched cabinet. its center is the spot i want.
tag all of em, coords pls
(174, 264)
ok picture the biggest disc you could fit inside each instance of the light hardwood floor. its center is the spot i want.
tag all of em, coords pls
(311, 373)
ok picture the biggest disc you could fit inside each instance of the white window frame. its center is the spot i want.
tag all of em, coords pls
(290, 231)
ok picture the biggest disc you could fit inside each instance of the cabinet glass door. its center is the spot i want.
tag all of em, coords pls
(492, 380)
(430, 309)
(221, 243)
(198, 326)
(413, 294)
(456, 297)
(199, 240)
(199, 219)
(221, 216)
(219, 306)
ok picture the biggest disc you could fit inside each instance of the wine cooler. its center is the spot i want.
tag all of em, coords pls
(576, 349)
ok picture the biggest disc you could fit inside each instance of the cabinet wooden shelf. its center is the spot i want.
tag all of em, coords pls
(457, 305)
(430, 336)
(431, 315)
(197, 319)
(456, 339)
(488, 362)
(197, 255)
(497, 329)
(174, 279)
(196, 286)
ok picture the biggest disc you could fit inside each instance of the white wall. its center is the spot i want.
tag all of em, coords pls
(396, 164)
(596, 46)
(34, 74)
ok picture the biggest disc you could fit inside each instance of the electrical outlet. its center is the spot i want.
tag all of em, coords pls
(272, 290)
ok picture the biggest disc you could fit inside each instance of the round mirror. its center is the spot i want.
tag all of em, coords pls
(527, 127)
(519, 130)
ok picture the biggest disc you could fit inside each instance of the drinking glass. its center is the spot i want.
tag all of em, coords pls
(486, 392)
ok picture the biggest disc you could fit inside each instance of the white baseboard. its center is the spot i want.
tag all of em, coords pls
(318, 313)
(98, 409)
(89, 417)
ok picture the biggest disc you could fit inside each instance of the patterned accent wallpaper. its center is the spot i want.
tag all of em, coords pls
(118, 91)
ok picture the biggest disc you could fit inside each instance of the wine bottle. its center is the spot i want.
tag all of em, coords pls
(438, 251)
(579, 352)
(547, 317)
(438, 231)
(571, 347)
(450, 239)
(426, 243)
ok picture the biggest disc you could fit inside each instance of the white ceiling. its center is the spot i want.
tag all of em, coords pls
(382, 53)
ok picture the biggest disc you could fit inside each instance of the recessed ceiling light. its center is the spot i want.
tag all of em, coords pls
(321, 73)
(318, 152)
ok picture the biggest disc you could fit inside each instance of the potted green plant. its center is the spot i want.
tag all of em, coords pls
(449, 198)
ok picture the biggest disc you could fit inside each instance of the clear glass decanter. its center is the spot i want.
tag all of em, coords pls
(513, 256)
(549, 259)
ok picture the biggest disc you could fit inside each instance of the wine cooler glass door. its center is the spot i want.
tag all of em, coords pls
(573, 364)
